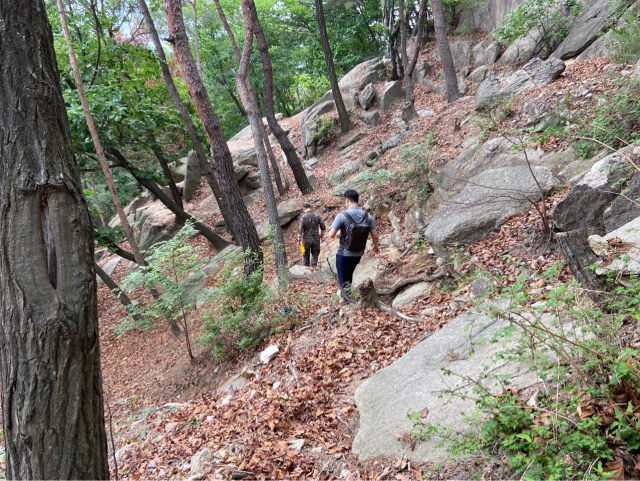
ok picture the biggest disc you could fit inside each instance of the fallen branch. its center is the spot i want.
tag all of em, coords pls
(439, 274)
(383, 307)
(369, 299)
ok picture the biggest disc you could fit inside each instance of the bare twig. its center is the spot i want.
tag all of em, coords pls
(294, 371)
(113, 444)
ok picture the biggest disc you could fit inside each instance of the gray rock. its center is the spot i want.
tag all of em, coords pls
(289, 210)
(391, 91)
(351, 140)
(360, 183)
(486, 202)
(253, 181)
(485, 15)
(362, 75)
(481, 287)
(246, 157)
(311, 163)
(200, 460)
(158, 226)
(415, 382)
(534, 74)
(370, 118)
(591, 21)
(192, 178)
(629, 263)
(240, 171)
(396, 239)
(636, 72)
(420, 72)
(207, 208)
(461, 54)
(178, 169)
(109, 267)
(343, 172)
(485, 52)
(413, 293)
(367, 96)
(624, 208)
(599, 48)
(217, 262)
(366, 270)
(409, 112)
(584, 206)
(521, 50)
(481, 73)
(250, 199)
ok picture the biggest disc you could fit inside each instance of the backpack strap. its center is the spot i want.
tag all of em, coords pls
(348, 216)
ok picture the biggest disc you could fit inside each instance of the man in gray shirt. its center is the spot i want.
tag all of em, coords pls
(346, 260)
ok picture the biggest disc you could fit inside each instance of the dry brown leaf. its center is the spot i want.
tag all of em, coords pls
(616, 467)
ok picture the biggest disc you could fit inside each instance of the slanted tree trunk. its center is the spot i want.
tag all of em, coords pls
(343, 116)
(102, 157)
(440, 27)
(52, 403)
(205, 163)
(216, 241)
(250, 102)
(113, 287)
(219, 150)
(287, 147)
(274, 163)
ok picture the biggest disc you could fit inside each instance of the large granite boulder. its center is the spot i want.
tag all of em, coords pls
(589, 25)
(461, 54)
(626, 262)
(584, 207)
(420, 72)
(289, 210)
(391, 91)
(308, 126)
(360, 183)
(486, 202)
(416, 382)
(207, 209)
(178, 169)
(521, 50)
(367, 96)
(485, 15)
(246, 157)
(157, 226)
(411, 294)
(535, 73)
(192, 178)
(485, 52)
(371, 119)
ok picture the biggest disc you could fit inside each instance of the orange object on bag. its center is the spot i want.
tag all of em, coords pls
(301, 248)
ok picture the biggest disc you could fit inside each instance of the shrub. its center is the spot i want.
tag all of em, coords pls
(325, 128)
(246, 311)
(582, 419)
(174, 270)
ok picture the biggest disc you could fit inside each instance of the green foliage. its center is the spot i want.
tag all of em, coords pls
(245, 312)
(325, 128)
(174, 270)
(546, 21)
(625, 41)
(419, 157)
(562, 427)
(614, 121)
(379, 177)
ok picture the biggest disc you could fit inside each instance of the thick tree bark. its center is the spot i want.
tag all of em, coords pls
(196, 41)
(267, 145)
(250, 102)
(216, 241)
(248, 235)
(439, 25)
(393, 54)
(419, 37)
(343, 115)
(287, 147)
(207, 166)
(52, 404)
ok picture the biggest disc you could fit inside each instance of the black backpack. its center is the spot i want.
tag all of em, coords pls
(357, 233)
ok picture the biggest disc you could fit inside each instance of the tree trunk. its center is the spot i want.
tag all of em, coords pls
(274, 164)
(408, 80)
(157, 151)
(196, 42)
(287, 147)
(113, 287)
(205, 163)
(96, 140)
(391, 47)
(343, 115)
(250, 102)
(52, 404)
(216, 241)
(439, 25)
(419, 36)
(248, 235)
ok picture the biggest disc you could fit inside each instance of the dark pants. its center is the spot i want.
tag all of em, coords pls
(311, 248)
(345, 267)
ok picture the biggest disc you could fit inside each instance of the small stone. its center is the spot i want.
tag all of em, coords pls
(296, 444)
(428, 311)
(440, 261)
(247, 373)
(599, 245)
(200, 460)
(170, 427)
(226, 400)
(276, 385)
(269, 353)
(152, 464)
(184, 467)
(317, 450)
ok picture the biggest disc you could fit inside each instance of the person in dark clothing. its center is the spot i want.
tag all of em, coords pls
(311, 231)
(346, 260)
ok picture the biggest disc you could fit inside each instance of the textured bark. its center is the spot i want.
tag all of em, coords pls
(343, 116)
(419, 37)
(446, 59)
(393, 54)
(250, 102)
(218, 242)
(248, 235)
(408, 80)
(49, 345)
(287, 147)
(274, 163)
(113, 287)
(579, 257)
(207, 167)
